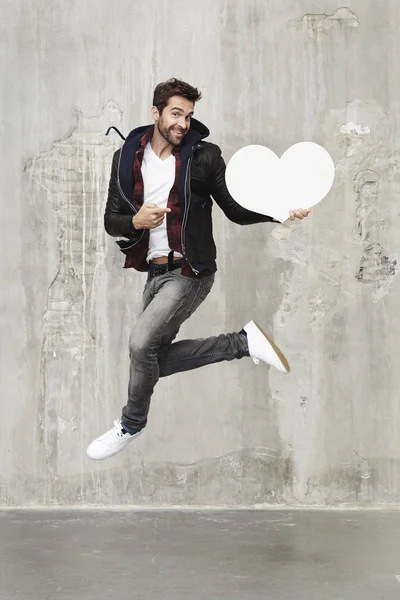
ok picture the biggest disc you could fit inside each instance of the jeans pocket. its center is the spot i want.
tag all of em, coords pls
(204, 288)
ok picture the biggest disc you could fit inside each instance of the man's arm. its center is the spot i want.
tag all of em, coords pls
(116, 222)
(222, 197)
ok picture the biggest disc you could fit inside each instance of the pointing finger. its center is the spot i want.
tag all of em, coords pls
(161, 211)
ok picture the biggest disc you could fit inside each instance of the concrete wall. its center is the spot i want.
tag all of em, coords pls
(271, 72)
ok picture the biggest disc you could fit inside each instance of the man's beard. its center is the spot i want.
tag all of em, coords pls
(167, 135)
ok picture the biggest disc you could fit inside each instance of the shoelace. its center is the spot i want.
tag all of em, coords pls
(118, 427)
(117, 430)
(256, 361)
(111, 432)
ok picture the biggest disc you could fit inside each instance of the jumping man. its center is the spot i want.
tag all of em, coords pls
(162, 183)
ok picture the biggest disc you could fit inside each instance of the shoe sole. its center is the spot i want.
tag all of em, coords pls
(282, 357)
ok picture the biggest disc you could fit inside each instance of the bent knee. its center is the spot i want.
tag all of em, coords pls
(140, 347)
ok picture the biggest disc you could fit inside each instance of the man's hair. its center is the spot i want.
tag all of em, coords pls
(174, 87)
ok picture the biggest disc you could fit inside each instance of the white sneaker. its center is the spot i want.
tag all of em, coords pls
(111, 442)
(261, 347)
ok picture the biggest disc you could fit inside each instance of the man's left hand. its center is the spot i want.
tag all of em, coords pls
(299, 213)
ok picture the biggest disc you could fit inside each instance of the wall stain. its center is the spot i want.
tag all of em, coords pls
(364, 481)
(247, 477)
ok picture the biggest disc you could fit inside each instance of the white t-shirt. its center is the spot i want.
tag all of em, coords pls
(158, 179)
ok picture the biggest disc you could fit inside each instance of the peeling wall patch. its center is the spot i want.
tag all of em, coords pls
(375, 265)
(72, 179)
(366, 186)
(321, 23)
(354, 129)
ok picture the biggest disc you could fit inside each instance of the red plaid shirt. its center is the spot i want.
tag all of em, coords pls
(174, 219)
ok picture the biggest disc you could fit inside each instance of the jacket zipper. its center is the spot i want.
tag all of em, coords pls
(128, 201)
(187, 206)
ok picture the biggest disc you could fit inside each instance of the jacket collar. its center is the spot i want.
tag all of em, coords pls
(196, 133)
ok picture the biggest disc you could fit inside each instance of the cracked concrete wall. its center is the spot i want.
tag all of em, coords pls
(328, 289)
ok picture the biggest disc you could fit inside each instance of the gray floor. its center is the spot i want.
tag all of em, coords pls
(299, 555)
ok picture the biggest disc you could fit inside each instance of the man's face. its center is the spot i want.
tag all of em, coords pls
(174, 122)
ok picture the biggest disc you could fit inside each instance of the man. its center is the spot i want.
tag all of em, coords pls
(159, 199)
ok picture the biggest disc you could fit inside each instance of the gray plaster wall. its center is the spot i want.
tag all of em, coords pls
(272, 72)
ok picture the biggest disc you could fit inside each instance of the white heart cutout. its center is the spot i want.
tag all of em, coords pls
(261, 182)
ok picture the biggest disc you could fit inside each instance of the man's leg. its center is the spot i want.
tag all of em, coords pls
(187, 355)
(169, 300)
(252, 341)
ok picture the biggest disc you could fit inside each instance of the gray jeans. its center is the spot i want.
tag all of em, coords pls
(168, 300)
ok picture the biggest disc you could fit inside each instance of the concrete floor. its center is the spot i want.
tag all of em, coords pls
(166, 555)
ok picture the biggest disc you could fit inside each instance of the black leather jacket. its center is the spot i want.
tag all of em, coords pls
(202, 177)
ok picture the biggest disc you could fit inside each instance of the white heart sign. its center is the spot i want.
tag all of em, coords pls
(259, 181)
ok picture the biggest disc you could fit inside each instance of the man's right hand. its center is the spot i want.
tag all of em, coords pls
(149, 216)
